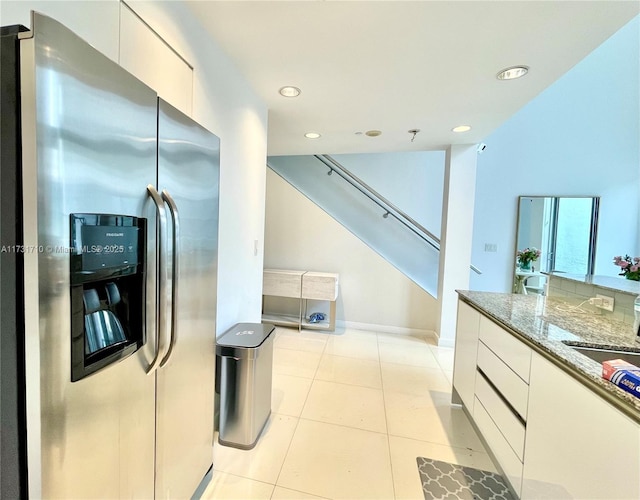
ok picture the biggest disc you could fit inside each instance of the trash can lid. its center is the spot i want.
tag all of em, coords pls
(247, 335)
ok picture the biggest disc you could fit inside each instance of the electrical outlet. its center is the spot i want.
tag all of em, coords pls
(490, 247)
(607, 302)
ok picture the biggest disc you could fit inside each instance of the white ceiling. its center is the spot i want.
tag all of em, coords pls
(396, 65)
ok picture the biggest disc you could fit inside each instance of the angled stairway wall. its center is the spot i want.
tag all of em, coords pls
(373, 293)
(374, 223)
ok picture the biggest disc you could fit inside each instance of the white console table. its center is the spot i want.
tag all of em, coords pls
(303, 286)
(520, 285)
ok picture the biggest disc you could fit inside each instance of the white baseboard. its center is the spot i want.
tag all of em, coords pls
(445, 342)
(440, 342)
(399, 330)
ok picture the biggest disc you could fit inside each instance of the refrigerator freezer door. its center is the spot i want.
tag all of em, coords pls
(188, 172)
(13, 450)
(89, 140)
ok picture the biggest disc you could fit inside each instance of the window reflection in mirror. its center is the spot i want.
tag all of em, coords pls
(564, 229)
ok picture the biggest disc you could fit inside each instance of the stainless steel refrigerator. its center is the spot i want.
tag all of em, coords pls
(111, 264)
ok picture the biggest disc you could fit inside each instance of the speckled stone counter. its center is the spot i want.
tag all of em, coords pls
(545, 322)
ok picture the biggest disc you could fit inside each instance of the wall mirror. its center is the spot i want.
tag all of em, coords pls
(564, 229)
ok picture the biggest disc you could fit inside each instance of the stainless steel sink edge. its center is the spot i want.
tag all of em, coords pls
(600, 347)
(606, 353)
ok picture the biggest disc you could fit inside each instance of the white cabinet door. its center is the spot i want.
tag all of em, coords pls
(464, 368)
(577, 445)
(144, 54)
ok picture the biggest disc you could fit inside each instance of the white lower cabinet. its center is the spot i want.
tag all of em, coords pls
(508, 348)
(464, 368)
(577, 444)
(501, 397)
(513, 388)
(494, 393)
(551, 435)
(511, 427)
(509, 462)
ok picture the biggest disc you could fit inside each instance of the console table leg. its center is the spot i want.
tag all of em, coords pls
(332, 315)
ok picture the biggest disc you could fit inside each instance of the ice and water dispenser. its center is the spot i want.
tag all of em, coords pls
(107, 290)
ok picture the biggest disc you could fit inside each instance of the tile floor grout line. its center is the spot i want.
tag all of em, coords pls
(350, 427)
(273, 486)
(297, 349)
(393, 402)
(386, 422)
(348, 384)
(448, 445)
(289, 447)
(438, 368)
(248, 478)
(347, 357)
(461, 448)
(299, 418)
(297, 491)
(292, 375)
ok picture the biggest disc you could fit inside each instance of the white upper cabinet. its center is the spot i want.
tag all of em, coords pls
(95, 22)
(147, 56)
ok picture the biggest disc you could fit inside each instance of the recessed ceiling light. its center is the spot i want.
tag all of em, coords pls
(512, 73)
(312, 135)
(461, 128)
(289, 91)
(373, 133)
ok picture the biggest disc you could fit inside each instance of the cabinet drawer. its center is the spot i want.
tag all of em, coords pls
(509, 425)
(508, 460)
(282, 283)
(509, 349)
(320, 286)
(511, 386)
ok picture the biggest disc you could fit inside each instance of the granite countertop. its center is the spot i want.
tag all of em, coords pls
(545, 322)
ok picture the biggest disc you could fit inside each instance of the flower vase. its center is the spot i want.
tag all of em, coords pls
(525, 266)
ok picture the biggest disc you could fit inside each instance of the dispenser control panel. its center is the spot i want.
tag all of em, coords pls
(107, 290)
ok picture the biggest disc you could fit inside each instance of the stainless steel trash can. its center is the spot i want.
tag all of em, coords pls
(244, 356)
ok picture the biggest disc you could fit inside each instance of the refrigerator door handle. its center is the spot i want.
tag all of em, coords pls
(173, 209)
(162, 220)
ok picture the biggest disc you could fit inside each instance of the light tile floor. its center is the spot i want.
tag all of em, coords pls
(351, 411)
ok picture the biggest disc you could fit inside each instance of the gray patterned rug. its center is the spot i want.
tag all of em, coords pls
(445, 481)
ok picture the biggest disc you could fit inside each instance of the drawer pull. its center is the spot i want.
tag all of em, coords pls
(502, 398)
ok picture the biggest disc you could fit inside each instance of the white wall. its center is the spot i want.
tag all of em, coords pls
(581, 136)
(224, 103)
(457, 225)
(413, 181)
(300, 235)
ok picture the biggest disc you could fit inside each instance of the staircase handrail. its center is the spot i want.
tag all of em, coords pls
(380, 200)
(383, 203)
